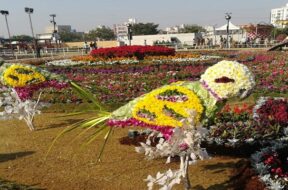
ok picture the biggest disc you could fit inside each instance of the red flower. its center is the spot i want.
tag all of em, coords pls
(129, 51)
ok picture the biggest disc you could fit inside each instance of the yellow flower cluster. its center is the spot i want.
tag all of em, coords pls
(244, 79)
(89, 58)
(177, 56)
(20, 76)
(150, 103)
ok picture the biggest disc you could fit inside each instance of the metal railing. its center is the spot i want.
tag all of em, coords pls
(45, 52)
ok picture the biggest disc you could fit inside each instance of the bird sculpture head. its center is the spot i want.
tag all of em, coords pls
(228, 79)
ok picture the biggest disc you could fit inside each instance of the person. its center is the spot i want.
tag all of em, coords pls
(85, 47)
(230, 42)
(266, 42)
(91, 46)
(221, 42)
(94, 45)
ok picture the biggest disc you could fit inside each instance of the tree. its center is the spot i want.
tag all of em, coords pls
(70, 36)
(193, 28)
(145, 28)
(278, 31)
(103, 33)
(24, 38)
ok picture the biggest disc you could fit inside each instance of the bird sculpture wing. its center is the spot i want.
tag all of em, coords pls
(165, 106)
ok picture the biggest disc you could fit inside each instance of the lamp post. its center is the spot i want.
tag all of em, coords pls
(129, 27)
(54, 30)
(29, 11)
(228, 17)
(214, 32)
(5, 13)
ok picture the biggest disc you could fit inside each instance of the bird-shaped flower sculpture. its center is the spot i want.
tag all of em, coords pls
(19, 82)
(164, 108)
(174, 112)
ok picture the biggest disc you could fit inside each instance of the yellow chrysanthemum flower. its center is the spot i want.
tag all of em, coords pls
(151, 103)
(20, 76)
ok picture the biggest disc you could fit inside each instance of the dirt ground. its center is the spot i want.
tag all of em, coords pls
(68, 167)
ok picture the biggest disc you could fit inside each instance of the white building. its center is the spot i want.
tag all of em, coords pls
(174, 29)
(59, 28)
(121, 30)
(187, 38)
(278, 15)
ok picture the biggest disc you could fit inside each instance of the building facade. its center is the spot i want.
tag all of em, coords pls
(59, 28)
(121, 30)
(279, 16)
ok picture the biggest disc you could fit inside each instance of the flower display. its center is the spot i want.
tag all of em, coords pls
(271, 165)
(130, 51)
(175, 111)
(14, 107)
(271, 111)
(20, 82)
(19, 76)
(149, 101)
(240, 80)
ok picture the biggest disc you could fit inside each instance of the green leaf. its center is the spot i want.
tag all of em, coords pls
(87, 95)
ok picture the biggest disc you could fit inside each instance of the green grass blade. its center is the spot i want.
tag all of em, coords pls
(104, 144)
(66, 130)
(90, 126)
(93, 136)
(86, 95)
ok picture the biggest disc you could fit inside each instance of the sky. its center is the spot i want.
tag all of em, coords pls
(84, 15)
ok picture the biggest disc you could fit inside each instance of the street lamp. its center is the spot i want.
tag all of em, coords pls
(228, 17)
(129, 28)
(5, 13)
(54, 29)
(29, 11)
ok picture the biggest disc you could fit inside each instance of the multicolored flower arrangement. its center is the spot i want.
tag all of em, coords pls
(176, 112)
(167, 112)
(271, 111)
(132, 51)
(16, 75)
(21, 81)
(271, 164)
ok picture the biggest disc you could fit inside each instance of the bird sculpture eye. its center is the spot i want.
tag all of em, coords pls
(224, 79)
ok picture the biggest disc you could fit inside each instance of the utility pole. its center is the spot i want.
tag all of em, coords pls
(29, 11)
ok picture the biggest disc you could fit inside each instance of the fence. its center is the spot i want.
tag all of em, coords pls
(46, 52)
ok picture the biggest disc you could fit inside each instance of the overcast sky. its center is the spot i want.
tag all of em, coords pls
(84, 15)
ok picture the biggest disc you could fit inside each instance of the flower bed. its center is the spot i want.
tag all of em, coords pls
(132, 51)
(238, 125)
(271, 165)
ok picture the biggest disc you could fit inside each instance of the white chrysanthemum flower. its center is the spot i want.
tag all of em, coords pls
(241, 79)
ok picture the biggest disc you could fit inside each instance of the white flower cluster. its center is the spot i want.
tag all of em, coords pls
(183, 60)
(69, 62)
(13, 107)
(121, 62)
(243, 79)
(185, 143)
(64, 63)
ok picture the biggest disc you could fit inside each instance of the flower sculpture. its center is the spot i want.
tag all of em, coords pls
(176, 113)
(19, 84)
